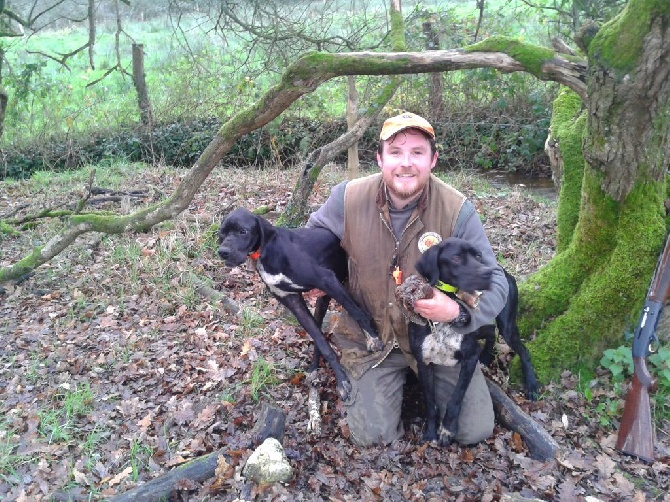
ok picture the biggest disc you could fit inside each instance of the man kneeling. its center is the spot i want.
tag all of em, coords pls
(385, 221)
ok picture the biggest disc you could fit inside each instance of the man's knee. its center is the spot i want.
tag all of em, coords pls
(372, 434)
(373, 411)
(475, 431)
(476, 420)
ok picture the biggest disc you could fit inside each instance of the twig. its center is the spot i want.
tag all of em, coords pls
(87, 194)
(313, 403)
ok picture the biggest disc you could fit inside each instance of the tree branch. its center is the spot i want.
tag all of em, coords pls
(301, 78)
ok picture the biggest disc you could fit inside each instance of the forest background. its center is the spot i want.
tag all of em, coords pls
(71, 106)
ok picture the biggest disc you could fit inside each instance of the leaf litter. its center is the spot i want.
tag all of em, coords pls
(170, 376)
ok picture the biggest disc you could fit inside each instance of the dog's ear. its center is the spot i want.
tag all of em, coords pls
(428, 265)
(263, 230)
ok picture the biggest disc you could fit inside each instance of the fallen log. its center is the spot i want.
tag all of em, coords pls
(540, 444)
(270, 423)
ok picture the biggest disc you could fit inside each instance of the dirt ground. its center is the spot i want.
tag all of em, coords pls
(118, 365)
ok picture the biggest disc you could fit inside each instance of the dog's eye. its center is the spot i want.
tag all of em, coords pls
(478, 257)
(244, 231)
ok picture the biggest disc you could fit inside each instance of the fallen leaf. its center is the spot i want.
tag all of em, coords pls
(145, 423)
(121, 476)
(80, 477)
(246, 347)
(467, 456)
(606, 466)
(517, 442)
(176, 460)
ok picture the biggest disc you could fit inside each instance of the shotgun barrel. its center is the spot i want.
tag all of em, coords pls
(636, 432)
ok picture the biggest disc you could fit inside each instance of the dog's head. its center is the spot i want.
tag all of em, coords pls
(455, 262)
(240, 234)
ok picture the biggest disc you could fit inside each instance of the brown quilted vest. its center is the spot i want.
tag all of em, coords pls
(374, 253)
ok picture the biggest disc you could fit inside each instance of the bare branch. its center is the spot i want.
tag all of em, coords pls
(103, 77)
(301, 78)
(64, 57)
(480, 8)
(32, 20)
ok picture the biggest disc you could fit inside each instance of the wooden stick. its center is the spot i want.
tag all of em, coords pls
(540, 444)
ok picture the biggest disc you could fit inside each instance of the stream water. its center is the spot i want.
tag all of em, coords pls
(542, 186)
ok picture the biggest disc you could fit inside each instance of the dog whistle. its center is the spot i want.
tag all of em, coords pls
(397, 275)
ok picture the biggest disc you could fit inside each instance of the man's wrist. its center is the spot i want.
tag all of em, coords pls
(462, 319)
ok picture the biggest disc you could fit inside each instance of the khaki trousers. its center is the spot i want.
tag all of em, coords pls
(374, 407)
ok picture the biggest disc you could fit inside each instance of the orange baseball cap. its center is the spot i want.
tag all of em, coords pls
(406, 120)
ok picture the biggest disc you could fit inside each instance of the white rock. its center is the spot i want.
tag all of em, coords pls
(268, 464)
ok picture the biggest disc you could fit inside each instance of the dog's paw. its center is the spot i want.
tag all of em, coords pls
(429, 436)
(533, 392)
(445, 437)
(374, 343)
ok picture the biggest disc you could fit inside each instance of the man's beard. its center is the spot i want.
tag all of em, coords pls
(403, 191)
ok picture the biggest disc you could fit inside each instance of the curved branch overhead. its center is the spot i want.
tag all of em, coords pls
(569, 71)
(303, 77)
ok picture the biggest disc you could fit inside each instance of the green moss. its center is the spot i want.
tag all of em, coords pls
(397, 31)
(7, 229)
(115, 224)
(547, 293)
(609, 299)
(619, 43)
(23, 266)
(568, 123)
(532, 57)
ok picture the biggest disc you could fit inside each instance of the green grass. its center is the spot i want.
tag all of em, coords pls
(251, 322)
(58, 421)
(9, 459)
(189, 73)
(138, 457)
(263, 374)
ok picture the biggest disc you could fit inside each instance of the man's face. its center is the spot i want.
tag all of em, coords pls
(406, 163)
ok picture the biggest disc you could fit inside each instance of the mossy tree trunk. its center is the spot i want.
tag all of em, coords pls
(592, 291)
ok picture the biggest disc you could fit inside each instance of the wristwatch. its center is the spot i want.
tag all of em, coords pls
(463, 318)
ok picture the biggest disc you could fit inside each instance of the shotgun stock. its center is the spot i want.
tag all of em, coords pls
(636, 432)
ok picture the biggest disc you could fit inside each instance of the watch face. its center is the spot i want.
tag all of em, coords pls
(463, 317)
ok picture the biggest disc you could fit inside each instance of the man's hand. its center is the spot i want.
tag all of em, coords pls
(439, 308)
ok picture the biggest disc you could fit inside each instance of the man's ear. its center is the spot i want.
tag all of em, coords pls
(428, 266)
(379, 160)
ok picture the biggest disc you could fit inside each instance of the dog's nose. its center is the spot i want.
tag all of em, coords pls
(224, 253)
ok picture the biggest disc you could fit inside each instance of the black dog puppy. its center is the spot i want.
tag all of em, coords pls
(290, 262)
(457, 263)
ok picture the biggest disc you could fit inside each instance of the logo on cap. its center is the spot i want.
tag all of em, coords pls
(407, 120)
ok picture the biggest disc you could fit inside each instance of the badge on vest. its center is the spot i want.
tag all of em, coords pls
(428, 239)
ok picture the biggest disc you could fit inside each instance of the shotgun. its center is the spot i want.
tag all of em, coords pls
(636, 432)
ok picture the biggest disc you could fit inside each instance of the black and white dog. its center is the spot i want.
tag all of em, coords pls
(457, 263)
(290, 262)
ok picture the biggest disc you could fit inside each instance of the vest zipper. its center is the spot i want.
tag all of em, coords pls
(394, 264)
